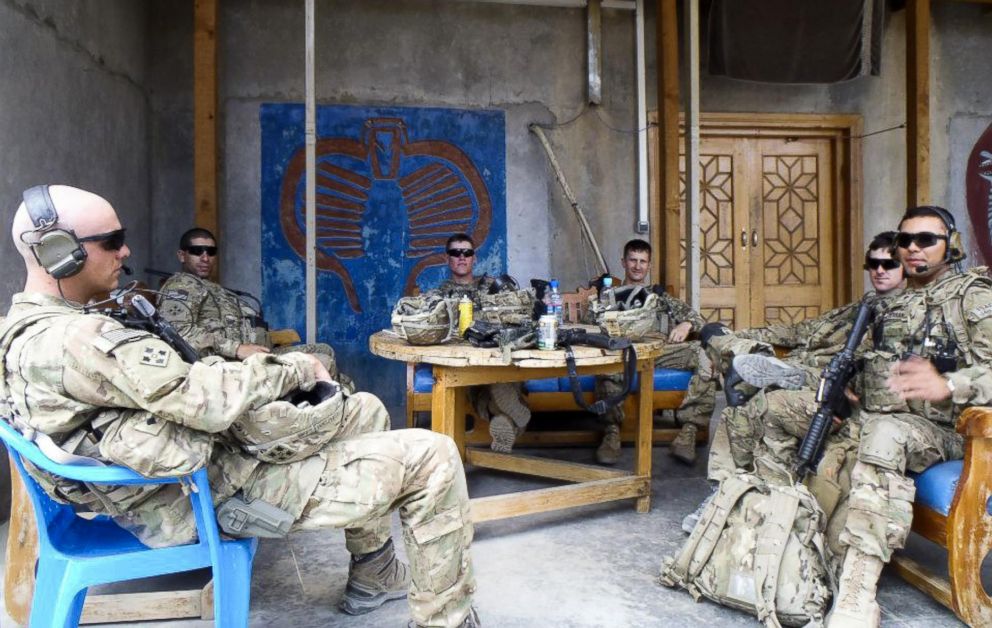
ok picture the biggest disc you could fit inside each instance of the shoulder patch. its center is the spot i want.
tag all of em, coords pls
(110, 340)
(176, 295)
(980, 312)
(155, 356)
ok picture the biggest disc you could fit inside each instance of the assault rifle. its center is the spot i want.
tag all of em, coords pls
(149, 320)
(830, 394)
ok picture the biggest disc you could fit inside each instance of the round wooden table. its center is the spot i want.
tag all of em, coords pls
(460, 365)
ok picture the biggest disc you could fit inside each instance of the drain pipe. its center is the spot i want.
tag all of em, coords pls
(643, 209)
(310, 133)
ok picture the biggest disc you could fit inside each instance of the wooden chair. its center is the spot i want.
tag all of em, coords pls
(952, 509)
(575, 304)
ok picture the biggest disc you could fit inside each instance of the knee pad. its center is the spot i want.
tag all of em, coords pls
(883, 444)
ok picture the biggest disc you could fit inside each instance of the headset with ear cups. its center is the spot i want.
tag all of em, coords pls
(955, 250)
(57, 250)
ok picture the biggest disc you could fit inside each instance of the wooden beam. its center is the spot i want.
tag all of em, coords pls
(205, 114)
(665, 235)
(918, 102)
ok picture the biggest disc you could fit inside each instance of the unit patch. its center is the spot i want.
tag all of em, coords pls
(980, 312)
(155, 356)
(176, 295)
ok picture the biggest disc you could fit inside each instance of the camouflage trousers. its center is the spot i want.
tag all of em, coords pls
(700, 397)
(359, 478)
(879, 507)
(325, 353)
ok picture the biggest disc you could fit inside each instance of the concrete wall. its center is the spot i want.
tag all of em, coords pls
(73, 110)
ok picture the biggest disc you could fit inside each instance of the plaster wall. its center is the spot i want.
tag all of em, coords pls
(73, 111)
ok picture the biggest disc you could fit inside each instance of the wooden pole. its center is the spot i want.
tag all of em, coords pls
(310, 132)
(918, 102)
(205, 114)
(665, 236)
(692, 174)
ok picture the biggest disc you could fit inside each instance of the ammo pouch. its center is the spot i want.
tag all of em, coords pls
(509, 307)
(257, 518)
(635, 317)
(760, 548)
(291, 428)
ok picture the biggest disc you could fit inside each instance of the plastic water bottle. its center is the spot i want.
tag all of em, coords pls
(608, 298)
(556, 303)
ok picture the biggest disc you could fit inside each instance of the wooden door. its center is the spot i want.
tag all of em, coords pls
(765, 229)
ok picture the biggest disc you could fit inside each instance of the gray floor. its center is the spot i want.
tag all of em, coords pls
(589, 567)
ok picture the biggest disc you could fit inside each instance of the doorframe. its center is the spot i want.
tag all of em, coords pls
(844, 131)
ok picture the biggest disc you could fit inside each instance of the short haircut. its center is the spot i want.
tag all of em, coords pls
(187, 238)
(636, 245)
(458, 237)
(885, 240)
(930, 211)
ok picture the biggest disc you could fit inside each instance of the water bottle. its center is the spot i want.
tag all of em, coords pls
(608, 298)
(556, 303)
(465, 314)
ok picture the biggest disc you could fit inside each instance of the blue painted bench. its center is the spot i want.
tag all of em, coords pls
(953, 508)
(554, 395)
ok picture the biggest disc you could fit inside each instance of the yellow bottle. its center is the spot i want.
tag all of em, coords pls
(466, 313)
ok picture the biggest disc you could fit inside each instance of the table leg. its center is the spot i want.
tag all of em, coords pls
(645, 429)
(448, 408)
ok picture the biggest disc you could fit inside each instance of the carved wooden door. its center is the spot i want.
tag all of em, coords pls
(765, 228)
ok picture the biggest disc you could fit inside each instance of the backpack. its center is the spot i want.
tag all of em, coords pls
(760, 548)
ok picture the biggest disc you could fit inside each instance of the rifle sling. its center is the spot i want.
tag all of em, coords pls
(600, 406)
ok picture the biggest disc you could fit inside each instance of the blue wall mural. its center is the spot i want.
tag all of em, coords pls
(392, 184)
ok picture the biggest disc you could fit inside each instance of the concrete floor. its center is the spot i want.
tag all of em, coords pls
(587, 567)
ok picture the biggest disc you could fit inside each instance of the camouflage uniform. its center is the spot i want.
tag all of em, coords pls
(953, 314)
(215, 321)
(449, 288)
(697, 407)
(66, 373)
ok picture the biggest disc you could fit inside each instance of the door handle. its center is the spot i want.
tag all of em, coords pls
(754, 237)
(743, 238)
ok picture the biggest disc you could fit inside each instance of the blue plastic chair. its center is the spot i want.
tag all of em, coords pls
(76, 553)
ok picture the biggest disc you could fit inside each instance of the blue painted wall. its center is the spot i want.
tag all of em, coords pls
(392, 184)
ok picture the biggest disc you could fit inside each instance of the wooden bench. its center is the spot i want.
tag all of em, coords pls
(952, 509)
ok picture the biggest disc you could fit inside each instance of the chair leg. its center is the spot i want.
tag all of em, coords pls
(232, 586)
(969, 534)
(58, 603)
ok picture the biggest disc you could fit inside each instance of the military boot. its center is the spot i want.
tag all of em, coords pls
(855, 605)
(471, 620)
(764, 370)
(609, 450)
(683, 448)
(373, 580)
(503, 432)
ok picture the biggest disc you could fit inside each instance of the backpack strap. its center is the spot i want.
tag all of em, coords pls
(768, 553)
(682, 569)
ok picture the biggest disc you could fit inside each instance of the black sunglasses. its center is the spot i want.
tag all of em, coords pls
(875, 263)
(923, 239)
(110, 241)
(461, 252)
(196, 250)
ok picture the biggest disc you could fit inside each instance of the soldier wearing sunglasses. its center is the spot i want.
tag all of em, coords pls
(460, 253)
(214, 319)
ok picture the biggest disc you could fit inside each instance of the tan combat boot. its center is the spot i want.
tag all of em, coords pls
(503, 432)
(683, 448)
(855, 605)
(373, 580)
(609, 450)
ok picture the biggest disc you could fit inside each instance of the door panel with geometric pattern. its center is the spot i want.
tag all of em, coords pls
(764, 223)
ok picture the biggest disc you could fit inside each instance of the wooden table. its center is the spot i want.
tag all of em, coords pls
(460, 365)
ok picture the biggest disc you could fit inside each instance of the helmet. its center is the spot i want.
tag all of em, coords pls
(426, 320)
(293, 427)
(509, 307)
(635, 315)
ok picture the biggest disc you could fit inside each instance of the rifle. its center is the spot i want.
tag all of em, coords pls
(830, 395)
(149, 320)
(569, 337)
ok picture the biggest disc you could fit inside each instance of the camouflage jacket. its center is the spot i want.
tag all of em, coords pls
(948, 322)
(66, 372)
(208, 316)
(450, 289)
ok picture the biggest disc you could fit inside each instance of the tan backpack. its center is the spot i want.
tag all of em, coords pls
(760, 548)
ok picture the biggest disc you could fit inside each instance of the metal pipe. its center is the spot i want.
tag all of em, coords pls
(623, 5)
(594, 52)
(643, 225)
(310, 132)
(692, 258)
(583, 223)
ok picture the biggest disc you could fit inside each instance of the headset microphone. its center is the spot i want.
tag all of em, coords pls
(127, 270)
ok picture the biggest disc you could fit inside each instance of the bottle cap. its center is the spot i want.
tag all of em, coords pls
(553, 283)
(607, 281)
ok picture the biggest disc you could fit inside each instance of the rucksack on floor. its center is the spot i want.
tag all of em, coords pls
(760, 548)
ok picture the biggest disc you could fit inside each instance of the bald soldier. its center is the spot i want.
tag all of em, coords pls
(164, 416)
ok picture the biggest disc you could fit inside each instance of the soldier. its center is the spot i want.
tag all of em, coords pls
(503, 405)
(214, 319)
(699, 401)
(113, 393)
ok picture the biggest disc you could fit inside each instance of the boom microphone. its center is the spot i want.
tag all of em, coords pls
(127, 270)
